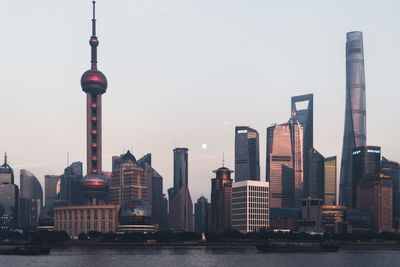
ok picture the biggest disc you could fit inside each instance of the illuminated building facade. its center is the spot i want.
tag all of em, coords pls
(247, 154)
(250, 206)
(355, 116)
(285, 163)
(221, 200)
(9, 196)
(302, 109)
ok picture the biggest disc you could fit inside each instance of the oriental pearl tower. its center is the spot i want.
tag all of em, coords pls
(94, 185)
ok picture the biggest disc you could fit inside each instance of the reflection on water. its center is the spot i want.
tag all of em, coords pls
(183, 256)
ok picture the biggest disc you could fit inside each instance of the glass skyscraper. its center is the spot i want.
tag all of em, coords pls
(330, 181)
(302, 109)
(285, 163)
(355, 116)
(180, 202)
(247, 154)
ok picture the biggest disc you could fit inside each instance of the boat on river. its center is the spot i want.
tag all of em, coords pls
(24, 249)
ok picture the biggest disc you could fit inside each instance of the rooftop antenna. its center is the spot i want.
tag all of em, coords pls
(5, 158)
(223, 159)
(67, 159)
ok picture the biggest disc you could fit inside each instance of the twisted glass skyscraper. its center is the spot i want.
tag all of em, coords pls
(355, 117)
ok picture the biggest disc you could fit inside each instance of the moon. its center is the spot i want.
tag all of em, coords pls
(204, 146)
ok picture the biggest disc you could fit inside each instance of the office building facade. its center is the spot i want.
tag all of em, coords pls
(247, 154)
(221, 200)
(302, 110)
(202, 215)
(366, 162)
(70, 184)
(284, 164)
(355, 115)
(392, 169)
(128, 182)
(9, 198)
(50, 188)
(31, 199)
(180, 203)
(330, 180)
(250, 206)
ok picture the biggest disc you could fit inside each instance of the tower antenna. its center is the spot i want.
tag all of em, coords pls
(223, 159)
(5, 158)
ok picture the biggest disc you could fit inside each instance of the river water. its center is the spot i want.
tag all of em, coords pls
(85, 256)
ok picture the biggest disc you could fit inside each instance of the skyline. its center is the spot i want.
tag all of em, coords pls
(198, 112)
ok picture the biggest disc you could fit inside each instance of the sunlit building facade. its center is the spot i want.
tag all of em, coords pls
(302, 109)
(250, 206)
(355, 129)
(221, 200)
(330, 180)
(285, 163)
(50, 188)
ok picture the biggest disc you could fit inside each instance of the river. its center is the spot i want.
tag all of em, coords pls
(100, 256)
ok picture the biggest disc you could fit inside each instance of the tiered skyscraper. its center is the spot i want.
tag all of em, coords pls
(355, 116)
(94, 84)
(8, 198)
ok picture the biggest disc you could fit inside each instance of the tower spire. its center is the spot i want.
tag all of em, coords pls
(223, 159)
(5, 158)
(93, 39)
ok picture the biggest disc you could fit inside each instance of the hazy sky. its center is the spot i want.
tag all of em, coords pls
(184, 73)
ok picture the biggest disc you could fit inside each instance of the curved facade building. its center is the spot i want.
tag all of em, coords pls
(355, 116)
(31, 201)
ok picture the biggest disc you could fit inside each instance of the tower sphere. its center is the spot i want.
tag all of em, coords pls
(94, 185)
(94, 82)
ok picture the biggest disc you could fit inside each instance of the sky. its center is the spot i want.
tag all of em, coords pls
(184, 73)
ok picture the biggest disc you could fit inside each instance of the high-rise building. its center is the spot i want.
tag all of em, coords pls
(392, 169)
(128, 182)
(201, 215)
(31, 199)
(366, 162)
(375, 195)
(50, 188)
(6, 172)
(154, 182)
(70, 184)
(8, 198)
(250, 206)
(94, 83)
(316, 174)
(180, 202)
(330, 178)
(247, 154)
(221, 200)
(284, 164)
(355, 116)
(302, 108)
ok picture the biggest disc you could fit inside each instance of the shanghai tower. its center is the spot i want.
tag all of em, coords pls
(355, 116)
